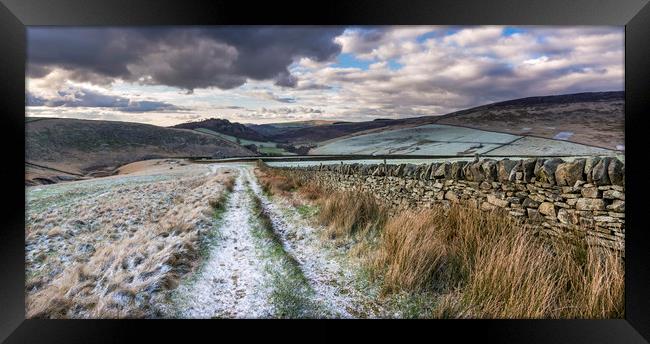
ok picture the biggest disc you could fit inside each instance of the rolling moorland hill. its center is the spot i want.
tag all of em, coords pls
(276, 131)
(226, 127)
(320, 133)
(73, 148)
(594, 119)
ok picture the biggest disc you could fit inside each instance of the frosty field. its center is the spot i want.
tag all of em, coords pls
(437, 139)
(171, 239)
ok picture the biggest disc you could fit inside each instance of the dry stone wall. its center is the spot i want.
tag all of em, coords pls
(584, 197)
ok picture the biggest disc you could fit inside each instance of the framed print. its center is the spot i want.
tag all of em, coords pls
(474, 166)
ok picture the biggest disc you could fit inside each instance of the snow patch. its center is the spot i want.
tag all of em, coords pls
(563, 135)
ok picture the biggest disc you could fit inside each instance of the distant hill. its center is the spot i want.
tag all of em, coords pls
(74, 147)
(543, 124)
(595, 118)
(275, 131)
(318, 133)
(226, 127)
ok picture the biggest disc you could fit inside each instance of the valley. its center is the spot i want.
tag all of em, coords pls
(568, 125)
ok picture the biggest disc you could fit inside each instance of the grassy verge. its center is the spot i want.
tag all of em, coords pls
(218, 205)
(307, 210)
(462, 262)
(291, 293)
(207, 240)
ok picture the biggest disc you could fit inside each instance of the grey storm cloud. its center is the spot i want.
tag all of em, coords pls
(92, 99)
(183, 57)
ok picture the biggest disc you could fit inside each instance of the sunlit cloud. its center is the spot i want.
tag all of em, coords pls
(277, 74)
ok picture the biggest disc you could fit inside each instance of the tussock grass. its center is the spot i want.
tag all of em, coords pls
(348, 213)
(475, 264)
(422, 246)
(312, 190)
(490, 266)
(278, 184)
(229, 184)
(275, 182)
(218, 203)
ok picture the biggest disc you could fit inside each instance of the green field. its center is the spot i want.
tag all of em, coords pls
(266, 147)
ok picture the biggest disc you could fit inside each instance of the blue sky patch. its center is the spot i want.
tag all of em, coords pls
(510, 30)
(347, 60)
(394, 65)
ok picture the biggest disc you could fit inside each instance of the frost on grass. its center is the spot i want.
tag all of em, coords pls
(129, 247)
(247, 274)
(231, 283)
(335, 284)
(113, 247)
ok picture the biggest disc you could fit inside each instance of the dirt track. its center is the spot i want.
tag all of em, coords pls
(113, 247)
(253, 273)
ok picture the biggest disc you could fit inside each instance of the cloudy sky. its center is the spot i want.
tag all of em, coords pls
(258, 74)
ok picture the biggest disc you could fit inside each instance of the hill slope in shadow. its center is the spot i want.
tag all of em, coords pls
(91, 148)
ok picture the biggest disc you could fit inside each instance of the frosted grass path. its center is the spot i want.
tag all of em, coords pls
(239, 278)
(232, 283)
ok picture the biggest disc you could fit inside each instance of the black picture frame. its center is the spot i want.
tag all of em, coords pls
(15, 15)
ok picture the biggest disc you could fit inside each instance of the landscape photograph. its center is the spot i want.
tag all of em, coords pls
(211, 172)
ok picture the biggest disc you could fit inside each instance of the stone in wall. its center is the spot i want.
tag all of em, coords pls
(504, 167)
(546, 171)
(434, 169)
(617, 206)
(600, 172)
(616, 172)
(443, 170)
(569, 173)
(547, 208)
(493, 199)
(590, 204)
(473, 173)
(589, 166)
(457, 169)
(427, 172)
(539, 162)
(516, 172)
(613, 194)
(528, 169)
(489, 170)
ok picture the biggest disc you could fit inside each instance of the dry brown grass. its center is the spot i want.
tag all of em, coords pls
(277, 184)
(348, 213)
(312, 190)
(479, 264)
(423, 246)
(140, 250)
(229, 184)
(490, 266)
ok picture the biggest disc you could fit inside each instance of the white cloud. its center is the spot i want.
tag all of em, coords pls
(442, 73)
